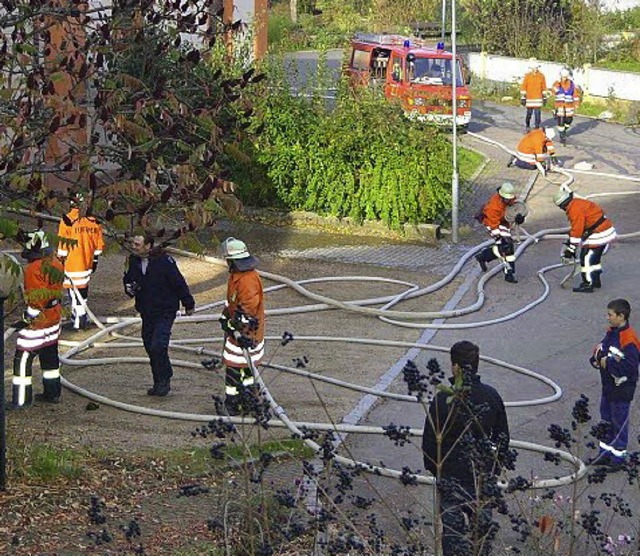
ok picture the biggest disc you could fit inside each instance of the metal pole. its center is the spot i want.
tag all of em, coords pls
(444, 19)
(455, 192)
(3, 435)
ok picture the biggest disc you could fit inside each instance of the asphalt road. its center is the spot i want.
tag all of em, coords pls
(556, 337)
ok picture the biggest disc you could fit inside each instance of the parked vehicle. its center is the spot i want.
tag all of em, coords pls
(417, 74)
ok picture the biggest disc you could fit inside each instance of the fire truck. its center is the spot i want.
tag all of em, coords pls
(413, 72)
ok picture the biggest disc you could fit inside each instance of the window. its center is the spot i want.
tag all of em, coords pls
(360, 60)
(433, 71)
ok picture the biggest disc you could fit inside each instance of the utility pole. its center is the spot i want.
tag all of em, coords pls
(455, 191)
(444, 19)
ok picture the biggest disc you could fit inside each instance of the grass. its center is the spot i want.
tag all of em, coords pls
(198, 460)
(42, 463)
(199, 549)
(469, 162)
(619, 65)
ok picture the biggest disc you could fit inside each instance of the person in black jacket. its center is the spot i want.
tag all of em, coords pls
(153, 278)
(465, 442)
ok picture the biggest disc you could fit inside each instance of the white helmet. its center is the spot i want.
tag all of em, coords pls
(564, 73)
(36, 240)
(550, 133)
(562, 196)
(234, 249)
(533, 64)
(507, 190)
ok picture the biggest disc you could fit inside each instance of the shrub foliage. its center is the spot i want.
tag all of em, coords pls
(361, 158)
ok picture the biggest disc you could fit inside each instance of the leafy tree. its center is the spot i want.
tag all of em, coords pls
(124, 105)
(567, 30)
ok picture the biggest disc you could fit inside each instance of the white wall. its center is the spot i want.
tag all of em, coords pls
(613, 5)
(594, 81)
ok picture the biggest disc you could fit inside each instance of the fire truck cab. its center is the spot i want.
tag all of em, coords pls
(418, 75)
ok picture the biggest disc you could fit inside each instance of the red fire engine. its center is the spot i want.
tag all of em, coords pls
(417, 74)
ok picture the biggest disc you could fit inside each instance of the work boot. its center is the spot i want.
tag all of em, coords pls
(12, 407)
(510, 277)
(481, 262)
(584, 287)
(153, 391)
(47, 399)
(162, 388)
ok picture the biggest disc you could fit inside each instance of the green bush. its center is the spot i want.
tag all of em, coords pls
(361, 158)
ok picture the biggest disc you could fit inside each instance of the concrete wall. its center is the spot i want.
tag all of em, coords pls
(594, 81)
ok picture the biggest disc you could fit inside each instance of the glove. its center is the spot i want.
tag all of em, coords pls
(95, 263)
(523, 101)
(618, 380)
(24, 322)
(189, 312)
(225, 324)
(569, 252)
(519, 219)
(132, 289)
(544, 101)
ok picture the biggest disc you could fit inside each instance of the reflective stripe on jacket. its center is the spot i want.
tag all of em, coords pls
(42, 294)
(567, 96)
(245, 297)
(87, 235)
(535, 146)
(532, 89)
(583, 214)
(494, 220)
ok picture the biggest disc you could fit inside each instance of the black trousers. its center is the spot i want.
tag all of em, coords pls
(537, 117)
(22, 382)
(467, 526)
(156, 334)
(591, 264)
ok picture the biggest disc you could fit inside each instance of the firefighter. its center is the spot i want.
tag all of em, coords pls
(533, 93)
(80, 256)
(493, 217)
(590, 230)
(567, 98)
(243, 324)
(39, 329)
(536, 146)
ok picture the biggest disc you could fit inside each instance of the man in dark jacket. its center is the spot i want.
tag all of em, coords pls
(153, 278)
(466, 439)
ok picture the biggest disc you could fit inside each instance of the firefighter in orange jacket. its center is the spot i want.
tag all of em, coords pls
(39, 328)
(535, 146)
(80, 256)
(567, 98)
(493, 217)
(533, 93)
(590, 230)
(243, 324)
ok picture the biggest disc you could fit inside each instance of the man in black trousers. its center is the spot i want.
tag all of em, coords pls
(465, 445)
(153, 278)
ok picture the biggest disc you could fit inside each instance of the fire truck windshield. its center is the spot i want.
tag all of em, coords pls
(432, 71)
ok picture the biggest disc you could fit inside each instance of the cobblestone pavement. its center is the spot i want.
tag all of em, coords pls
(438, 259)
